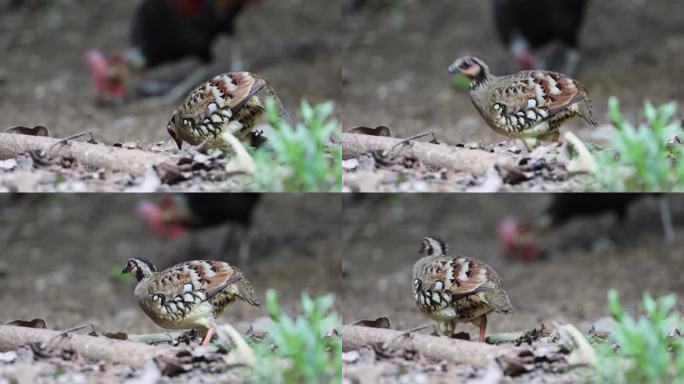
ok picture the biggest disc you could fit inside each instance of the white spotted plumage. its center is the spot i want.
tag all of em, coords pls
(453, 289)
(528, 105)
(190, 294)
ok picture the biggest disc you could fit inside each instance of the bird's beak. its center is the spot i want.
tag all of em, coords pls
(453, 69)
(179, 142)
(125, 270)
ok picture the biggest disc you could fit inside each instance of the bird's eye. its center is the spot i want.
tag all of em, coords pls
(186, 122)
(465, 64)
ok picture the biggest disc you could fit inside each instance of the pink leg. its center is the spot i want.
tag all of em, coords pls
(207, 338)
(483, 328)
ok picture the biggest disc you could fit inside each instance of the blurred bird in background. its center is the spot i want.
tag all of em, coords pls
(519, 239)
(172, 215)
(527, 26)
(164, 31)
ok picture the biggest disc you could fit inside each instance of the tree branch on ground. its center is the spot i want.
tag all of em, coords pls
(98, 348)
(133, 161)
(441, 348)
(459, 159)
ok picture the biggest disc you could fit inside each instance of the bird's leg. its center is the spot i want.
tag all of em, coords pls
(571, 59)
(666, 219)
(243, 253)
(207, 337)
(551, 137)
(483, 327)
(177, 92)
(530, 143)
(236, 56)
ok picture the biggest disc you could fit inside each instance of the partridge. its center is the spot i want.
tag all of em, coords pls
(528, 105)
(188, 295)
(226, 103)
(456, 289)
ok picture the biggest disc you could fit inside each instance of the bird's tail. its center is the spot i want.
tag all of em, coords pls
(282, 112)
(246, 292)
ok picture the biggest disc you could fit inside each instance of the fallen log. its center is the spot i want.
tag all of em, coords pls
(133, 161)
(459, 159)
(441, 348)
(98, 348)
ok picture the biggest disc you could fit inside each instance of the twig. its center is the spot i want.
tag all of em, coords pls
(165, 337)
(387, 346)
(65, 140)
(408, 140)
(439, 156)
(98, 348)
(133, 161)
(437, 347)
(67, 331)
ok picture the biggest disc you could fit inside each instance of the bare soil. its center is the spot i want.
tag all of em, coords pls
(396, 57)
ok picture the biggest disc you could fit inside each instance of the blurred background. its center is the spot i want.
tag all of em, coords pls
(582, 251)
(396, 55)
(44, 77)
(62, 256)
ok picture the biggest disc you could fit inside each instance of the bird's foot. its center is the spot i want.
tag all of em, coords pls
(207, 338)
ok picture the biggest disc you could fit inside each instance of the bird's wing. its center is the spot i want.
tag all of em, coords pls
(194, 281)
(537, 95)
(460, 276)
(227, 91)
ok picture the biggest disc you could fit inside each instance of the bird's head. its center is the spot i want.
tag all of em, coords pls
(473, 68)
(139, 267)
(175, 124)
(433, 246)
(518, 240)
(109, 76)
(163, 218)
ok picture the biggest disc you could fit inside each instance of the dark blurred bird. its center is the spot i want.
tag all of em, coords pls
(164, 31)
(174, 214)
(525, 26)
(519, 239)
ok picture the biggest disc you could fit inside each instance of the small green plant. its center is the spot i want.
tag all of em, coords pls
(306, 157)
(460, 82)
(639, 350)
(642, 159)
(116, 274)
(297, 350)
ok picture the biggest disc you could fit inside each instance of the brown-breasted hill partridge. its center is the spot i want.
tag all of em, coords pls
(456, 289)
(188, 295)
(528, 105)
(225, 103)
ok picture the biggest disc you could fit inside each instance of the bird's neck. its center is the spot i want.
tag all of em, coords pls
(481, 80)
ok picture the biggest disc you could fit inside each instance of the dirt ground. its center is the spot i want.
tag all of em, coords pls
(586, 258)
(60, 255)
(44, 80)
(395, 62)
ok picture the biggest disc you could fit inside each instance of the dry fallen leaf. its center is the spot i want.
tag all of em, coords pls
(35, 323)
(380, 322)
(38, 130)
(377, 131)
